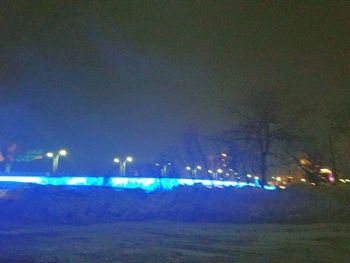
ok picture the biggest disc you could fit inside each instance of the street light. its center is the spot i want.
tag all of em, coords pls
(164, 170)
(63, 152)
(55, 158)
(122, 164)
(198, 168)
(188, 168)
(194, 171)
(218, 173)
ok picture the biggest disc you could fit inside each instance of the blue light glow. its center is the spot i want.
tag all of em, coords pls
(147, 184)
(25, 179)
(269, 187)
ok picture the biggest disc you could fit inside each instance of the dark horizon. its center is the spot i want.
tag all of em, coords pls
(106, 79)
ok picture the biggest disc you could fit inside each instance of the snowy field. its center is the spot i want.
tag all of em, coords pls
(42, 223)
(176, 242)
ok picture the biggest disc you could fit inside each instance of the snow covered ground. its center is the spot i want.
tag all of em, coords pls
(175, 242)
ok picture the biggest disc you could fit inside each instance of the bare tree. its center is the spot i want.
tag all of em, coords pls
(260, 123)
(326, 140)
(8, 150)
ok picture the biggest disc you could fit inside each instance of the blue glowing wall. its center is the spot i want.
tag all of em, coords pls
(147, 184)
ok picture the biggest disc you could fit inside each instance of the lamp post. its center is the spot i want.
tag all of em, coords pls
(165, 170)
(193, 172)
(55, 158)
(189, 170)
(198, 168)
(122, 164)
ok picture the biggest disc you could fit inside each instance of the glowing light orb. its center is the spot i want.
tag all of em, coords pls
(63, 152)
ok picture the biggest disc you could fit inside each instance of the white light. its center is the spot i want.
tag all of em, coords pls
(199, 167)
(249, 175)
(256, 177)
(303, 179)
(210, 171)
(188, 168)
(129, 159)
(157, 164)
(325, 170)
(24, 179)
(224, 155)
(49, 155)
(116, 160)
(219, 171)
(278, 178)
(62, 152)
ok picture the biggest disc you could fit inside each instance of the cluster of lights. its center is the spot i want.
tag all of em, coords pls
(55, 156)
(148, 184)
(217, 174)
(219, 171)
(194, 171)
(344, 181)
(164, 168)
(223, 172)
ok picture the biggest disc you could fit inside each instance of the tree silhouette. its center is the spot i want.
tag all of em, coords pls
(260, 123)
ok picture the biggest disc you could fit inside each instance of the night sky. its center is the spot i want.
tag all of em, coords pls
(105, 78)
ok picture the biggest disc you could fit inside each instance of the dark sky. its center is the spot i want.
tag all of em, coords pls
(118, 77)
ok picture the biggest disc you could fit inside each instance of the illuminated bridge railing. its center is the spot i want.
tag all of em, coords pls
(145, 183)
